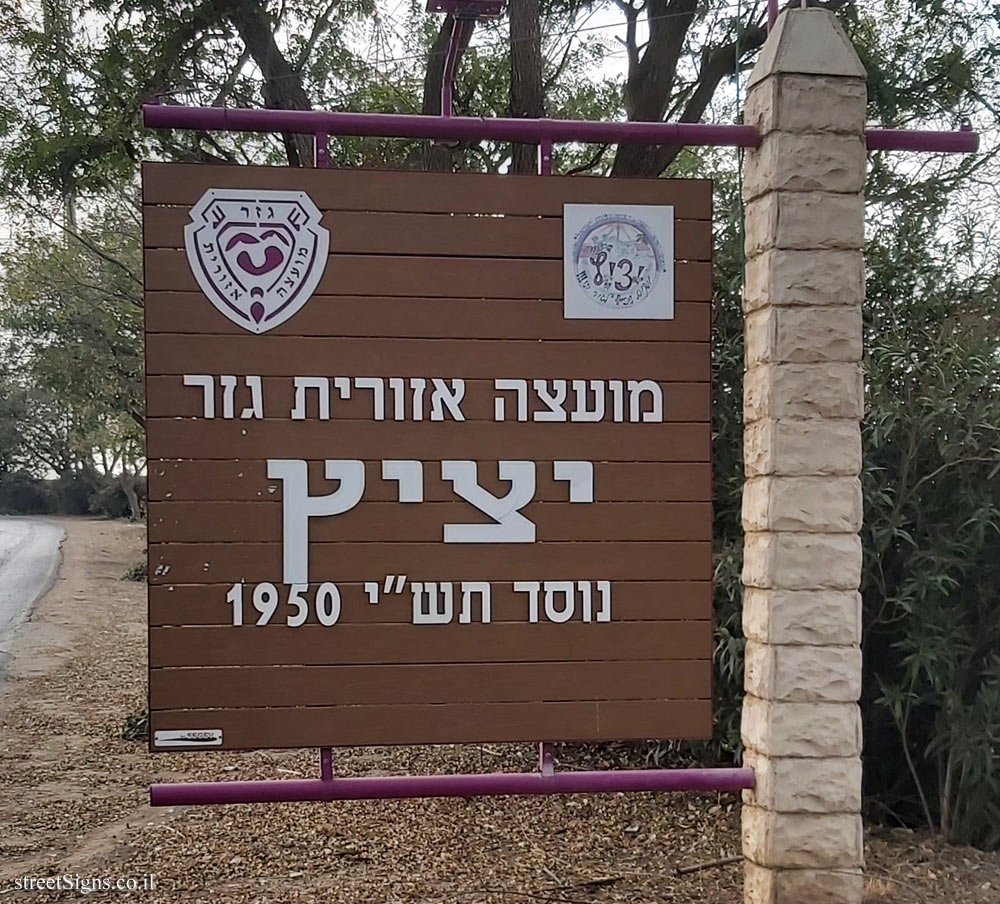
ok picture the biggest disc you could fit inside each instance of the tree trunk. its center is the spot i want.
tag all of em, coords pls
(283, 88)
(126, 481)
(526, 96)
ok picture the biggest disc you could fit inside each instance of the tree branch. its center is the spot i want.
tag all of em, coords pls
(283, 89)
(227, 86)
(649, 96)
(319, 26)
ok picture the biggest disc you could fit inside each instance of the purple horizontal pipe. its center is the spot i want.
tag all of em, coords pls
(403, 125)
(963, 141)
(491, 784)
(529, 131)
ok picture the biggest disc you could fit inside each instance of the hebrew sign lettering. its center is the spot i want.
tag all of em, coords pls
(432, 505)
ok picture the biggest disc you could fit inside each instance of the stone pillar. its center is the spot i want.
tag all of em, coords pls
(803, 397)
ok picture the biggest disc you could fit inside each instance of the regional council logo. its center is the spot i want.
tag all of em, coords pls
(257, 255)
(617, 260)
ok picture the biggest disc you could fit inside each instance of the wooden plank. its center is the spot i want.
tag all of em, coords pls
(190, 563)
(355, 232)
(205, 604)
(450, 277)
(418, 192)
(242, 686)
(167, 396)
(222, 481)
(459, 723)
(226, 439)
(392, 522)
(431, 318)
(398, 644)
(482, 359)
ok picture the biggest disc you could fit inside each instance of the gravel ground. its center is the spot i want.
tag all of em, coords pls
(72, 799)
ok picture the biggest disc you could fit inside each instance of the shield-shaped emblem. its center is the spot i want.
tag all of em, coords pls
(257, 255)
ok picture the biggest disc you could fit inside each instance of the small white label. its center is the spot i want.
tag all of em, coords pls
(191, 737)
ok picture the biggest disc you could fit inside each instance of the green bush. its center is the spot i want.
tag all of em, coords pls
(136, 573)
(73, 491)
(22, 494)
(109, 499)
(136, 726)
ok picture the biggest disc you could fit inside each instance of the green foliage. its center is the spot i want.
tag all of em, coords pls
(135, 727)
(23, 494)
(136, 573)
(71, 311)
(932, 533)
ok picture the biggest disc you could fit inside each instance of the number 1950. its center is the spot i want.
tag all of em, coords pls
(266, 598)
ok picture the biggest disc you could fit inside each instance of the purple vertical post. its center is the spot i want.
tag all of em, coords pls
(546, 760)
(322, 149)
(326, 764)
(545, 157)
(455, 39)
(772, 13)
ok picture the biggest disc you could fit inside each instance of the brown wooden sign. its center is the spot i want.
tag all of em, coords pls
(429, 457)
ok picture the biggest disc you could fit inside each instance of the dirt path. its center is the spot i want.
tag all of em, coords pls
(72, 798)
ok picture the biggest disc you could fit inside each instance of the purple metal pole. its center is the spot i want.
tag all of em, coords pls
(963, 141)
(545, 157)
(455, 39)
(546, 758)
(326, 764)
(402, 125)
(772, 13)
(322, 149)
(411, 786)
(527, 131)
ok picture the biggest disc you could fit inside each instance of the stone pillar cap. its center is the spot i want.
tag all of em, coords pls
(807, 42)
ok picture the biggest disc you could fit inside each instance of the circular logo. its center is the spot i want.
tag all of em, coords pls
(617, 260)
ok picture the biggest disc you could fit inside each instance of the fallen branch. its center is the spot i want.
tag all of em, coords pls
(709, 864)
(592, 883)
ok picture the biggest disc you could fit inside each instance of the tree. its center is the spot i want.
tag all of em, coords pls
(526, 90)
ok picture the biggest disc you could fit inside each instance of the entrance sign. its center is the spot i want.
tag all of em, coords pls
(412, 499)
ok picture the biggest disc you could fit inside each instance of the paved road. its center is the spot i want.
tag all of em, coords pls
(29, 560)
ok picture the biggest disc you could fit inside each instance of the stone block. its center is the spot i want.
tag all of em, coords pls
(814, 617)
(799, 448)
(812, 335)
(812, 104)
(832, 389)
(786, 278)
(807, 41)
(789, 161)
(801, 561)
(781, 729)
(806, 840)
(802, 674)
(815, 220)
(802, 886)
(803, 784)
(812, 504)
